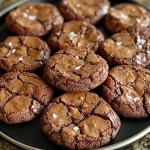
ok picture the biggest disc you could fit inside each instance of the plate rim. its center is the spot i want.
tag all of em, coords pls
(115, 146)
(118, 145)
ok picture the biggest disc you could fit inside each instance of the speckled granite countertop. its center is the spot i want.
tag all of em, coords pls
(142, 144)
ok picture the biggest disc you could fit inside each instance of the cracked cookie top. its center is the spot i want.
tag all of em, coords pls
(124, 15)
(131, 47)
(23, 97)
(23, 53)
(80, 120)
(127, 91)
(75, 69)
(90, 11)
(35, 19)
(75, 34)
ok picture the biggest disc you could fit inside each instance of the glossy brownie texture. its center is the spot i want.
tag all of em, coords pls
(35, 19)
(127, 90)
(125, 15)
(129, 47)
(23, 97)
(23, 53)
(80, 120)
(86, 10)
(75, 69)
(75, 34)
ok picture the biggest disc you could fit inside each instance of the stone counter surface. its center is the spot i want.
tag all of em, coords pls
(142, 144)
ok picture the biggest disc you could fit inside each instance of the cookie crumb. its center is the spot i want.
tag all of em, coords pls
(76, 128)
(54, 116)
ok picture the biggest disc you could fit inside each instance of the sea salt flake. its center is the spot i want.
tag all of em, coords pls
(119, 43)
(25, 15)
(65, 2)
(136, 99)
(105, 10)
(13, 50)
(138, 20)
(124, 16)
(30, 7)
(139, 46)
(77, 57)
(77, 68)
(76, 128)
(142, 41)
(35, 110)
(78, 5)
(72, 35)
(54, 116)
(27, 10)
(10, 44)
(32, 17)
(32, 106)
(58, 33)
(21, 58)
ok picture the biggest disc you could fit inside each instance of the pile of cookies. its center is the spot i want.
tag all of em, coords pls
(76, 59)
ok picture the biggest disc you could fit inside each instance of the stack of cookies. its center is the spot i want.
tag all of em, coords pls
(75, 59)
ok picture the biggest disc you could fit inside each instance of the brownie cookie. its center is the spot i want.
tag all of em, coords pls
(125, 15)
(131, 47)
(80, 120)
(127, 90)
(90, 11)
(75, 34)
(23, 53)
(23, 96)
(76, 70)
(35, 19)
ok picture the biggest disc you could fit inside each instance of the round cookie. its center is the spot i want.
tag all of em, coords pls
(125, 15)
(127, 90)
(75, 69)
(90, 11)
(129, 47)
(80, 120)
(23, 53)
(75, 34)
(35, 19)
(23, 97)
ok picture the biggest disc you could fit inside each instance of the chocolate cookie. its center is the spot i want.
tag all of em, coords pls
(23, 96)
(75, 34)
(35, 19)
(125, 15)
(130, 47)
(80, 120)
(127, 90)
(23, 53)
(75, 70)
(90, 11)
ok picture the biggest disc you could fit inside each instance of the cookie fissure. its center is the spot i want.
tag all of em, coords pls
(90, 121)
(133, 83)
